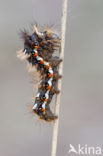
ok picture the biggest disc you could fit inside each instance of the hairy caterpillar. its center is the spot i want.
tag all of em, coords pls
(38, 51)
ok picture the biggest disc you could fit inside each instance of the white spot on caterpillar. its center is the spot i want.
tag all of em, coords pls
(43, 105)
(34, 107)
(50, 70)
(50, 82)
(35, 50)
(39, 58)
(47, 94)
(24, 51)
(38, 95)
(46, 63)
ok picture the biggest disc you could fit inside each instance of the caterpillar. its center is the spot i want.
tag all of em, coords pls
(38, 51)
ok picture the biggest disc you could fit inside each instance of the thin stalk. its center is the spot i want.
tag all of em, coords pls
(58, 97)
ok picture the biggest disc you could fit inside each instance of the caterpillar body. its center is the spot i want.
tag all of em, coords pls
(38, 51)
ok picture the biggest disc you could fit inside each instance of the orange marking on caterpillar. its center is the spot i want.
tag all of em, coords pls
(46, 100)
(35, 54)
(41, 62)
(48, 87)
(36, 47)
(43, 109)
(50, 75)
(47, 66)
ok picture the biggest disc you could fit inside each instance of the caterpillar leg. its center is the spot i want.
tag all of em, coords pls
(57, 76)
(48, 115)
(55, 61)
(57, 91)
(54, 90)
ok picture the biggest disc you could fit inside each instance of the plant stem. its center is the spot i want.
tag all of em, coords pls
(57, 103)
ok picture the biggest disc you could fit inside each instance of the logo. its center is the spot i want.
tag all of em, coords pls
(84, 150)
